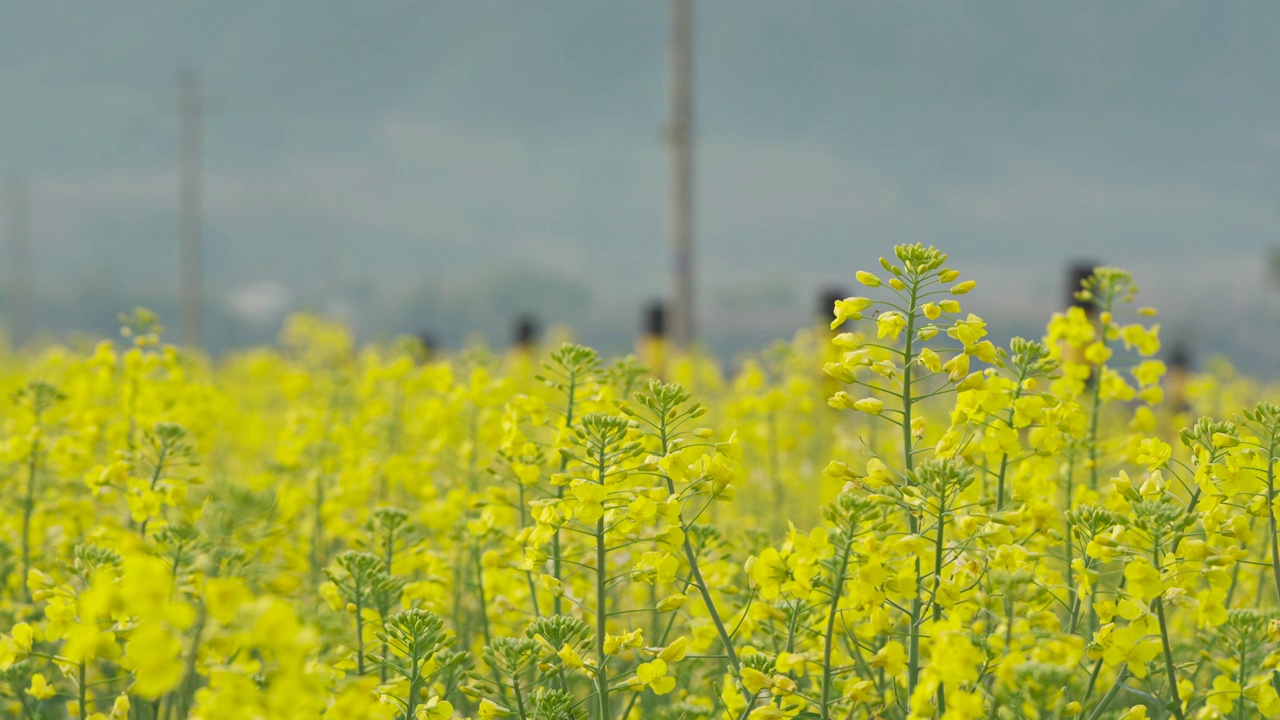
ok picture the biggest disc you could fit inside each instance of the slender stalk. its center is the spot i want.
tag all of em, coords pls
(655, 622)
(1115, 688)
(132, 412)
(484, 612)
(1241, 677)
(390, 550)
(29, 505)
(473, 457)
(836, 591)
(415, 681)
(359, 624)
(1096, 407)
(1271, 515)
(908, 464)
(937, 580)
(1004, 457)
(484, 603)
(662, 641)
(317, 537)
(1093, 427)
(386, 655)
(696, 571)
(528, 576)
(602, 677)
(602, 602)
(1169, 667)
(515, 686)
(1004, 466)
(556, 601)
(1008, 643)
(1093, 465)
(1097, 666)
(1075, 603)
(161, 455)
(1176, 705)
(190, 678)
(1071, 573)
(81, 689)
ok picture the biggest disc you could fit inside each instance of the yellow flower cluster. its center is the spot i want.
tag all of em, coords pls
(900, 517)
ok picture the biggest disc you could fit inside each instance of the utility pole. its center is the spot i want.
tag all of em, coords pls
(19, 202)
(191, 280)
(681, 137)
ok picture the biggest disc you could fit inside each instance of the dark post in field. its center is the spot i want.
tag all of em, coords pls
(827, 300)
(651, 344)
(525, 333)
(1077, 273)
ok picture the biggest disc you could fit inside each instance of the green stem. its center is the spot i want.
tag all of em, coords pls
(1271, 516)
(29, 506)
(1097, 668)
(655, 623)
(662, 642)
(1071, 573)
(1075, 605)
(80, 690)
(1004, 457)
(1168, 661)
(515, 685)
(602, 601)
(836, 591)
(711, 608)
(390, 548)
(132, 412)
(696, 571)
(386, 654)
(1008, 643)
(359, 627)
(937, 580)
(556, 600)
(528, 576)
(484, 603)
(1095, 411)
(1170, 668)
(190, 678)
(317, 538)
(484, 611)
(908, 463)
(1115, 688)
(155, 478)
(1240, 678)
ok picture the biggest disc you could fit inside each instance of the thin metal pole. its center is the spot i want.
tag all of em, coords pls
(20, 304)
(681, 137)
(189, 204)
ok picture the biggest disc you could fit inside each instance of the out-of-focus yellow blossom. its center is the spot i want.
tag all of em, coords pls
(330, 529)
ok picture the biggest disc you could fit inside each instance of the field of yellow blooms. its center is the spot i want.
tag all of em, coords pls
(891, 519)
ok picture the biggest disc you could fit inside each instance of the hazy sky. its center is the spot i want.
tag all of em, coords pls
(424, 140)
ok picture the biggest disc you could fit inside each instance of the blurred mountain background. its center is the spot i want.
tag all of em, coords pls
(422, 165)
